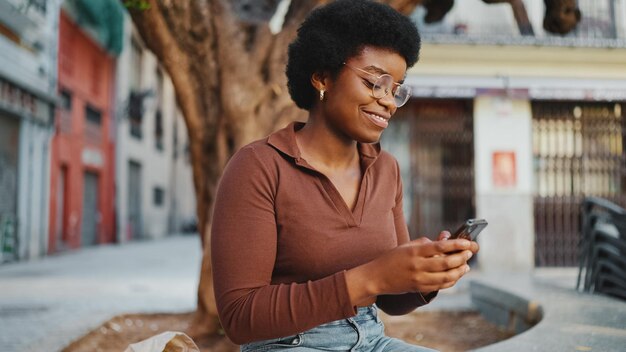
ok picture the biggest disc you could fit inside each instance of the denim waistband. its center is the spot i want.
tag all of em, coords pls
(363, 314)
(362, 332)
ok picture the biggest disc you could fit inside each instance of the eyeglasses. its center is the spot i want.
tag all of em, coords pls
(385, 84)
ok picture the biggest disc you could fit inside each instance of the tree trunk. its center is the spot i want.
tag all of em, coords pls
(231, 89)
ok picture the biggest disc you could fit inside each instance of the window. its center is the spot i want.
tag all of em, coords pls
(159, 87)
(93, 115)
(158, 130)
(135, 113)
(93, 130)
(39, 5)
(135, 100)
(158, 196)
(65, 111)
(66, 100)
(175, 139)
(158, 118)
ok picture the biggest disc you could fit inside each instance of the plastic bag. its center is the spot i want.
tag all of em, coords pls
(169, 341)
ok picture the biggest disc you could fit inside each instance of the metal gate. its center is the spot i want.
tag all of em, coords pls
(442, 165)
(90, 220)
(578, 152)
(9, 136)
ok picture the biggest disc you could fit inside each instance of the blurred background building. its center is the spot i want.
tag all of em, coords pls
(92, 147)
(28, 80)
(514, 124)
(82, 169)
(153, 172)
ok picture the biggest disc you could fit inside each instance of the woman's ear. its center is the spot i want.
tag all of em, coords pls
(320, 80)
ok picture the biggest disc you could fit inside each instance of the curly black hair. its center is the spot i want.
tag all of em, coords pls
(335, 32)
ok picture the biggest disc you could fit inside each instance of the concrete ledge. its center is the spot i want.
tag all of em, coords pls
(546, 317)
(513, 313)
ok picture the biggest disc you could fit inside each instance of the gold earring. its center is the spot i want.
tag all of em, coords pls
(321, 95)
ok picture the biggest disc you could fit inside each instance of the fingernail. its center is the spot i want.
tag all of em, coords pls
(467, 268)
(469, 255)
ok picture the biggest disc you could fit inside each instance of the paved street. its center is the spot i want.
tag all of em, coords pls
(47, 303)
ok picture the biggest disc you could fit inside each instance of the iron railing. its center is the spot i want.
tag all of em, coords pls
(578, 152)
(602, 24)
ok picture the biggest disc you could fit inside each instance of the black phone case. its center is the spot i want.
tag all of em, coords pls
(470, 229)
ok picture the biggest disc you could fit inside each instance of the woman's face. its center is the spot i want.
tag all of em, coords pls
(350, 108)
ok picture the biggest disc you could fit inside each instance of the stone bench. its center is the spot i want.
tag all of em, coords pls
(546, 317)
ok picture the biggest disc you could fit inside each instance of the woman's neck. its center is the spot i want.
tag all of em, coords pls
(319, 143)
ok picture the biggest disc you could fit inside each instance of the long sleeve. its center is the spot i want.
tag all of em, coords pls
(402, 304)
(243, 249)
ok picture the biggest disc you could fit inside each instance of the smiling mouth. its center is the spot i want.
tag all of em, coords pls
(377, 119)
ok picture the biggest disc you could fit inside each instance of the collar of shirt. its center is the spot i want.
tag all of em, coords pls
(284, 140)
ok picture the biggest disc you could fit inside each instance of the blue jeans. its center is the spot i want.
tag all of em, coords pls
(361, 333)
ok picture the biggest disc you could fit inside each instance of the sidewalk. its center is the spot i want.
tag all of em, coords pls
(46, 304)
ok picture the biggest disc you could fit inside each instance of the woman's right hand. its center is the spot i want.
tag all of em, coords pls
(421, 265)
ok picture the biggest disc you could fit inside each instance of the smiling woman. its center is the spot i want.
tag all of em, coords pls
(308, 222)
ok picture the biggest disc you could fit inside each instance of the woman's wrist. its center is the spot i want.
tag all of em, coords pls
(361, 284)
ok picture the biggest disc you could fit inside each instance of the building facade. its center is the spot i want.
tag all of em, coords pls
(82, 184)
(155, 194)
(82, 163)
(28, 50)
(516, 125)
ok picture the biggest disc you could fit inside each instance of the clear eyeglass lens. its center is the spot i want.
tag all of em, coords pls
(382, 86)
(402, 95)
(385, 85)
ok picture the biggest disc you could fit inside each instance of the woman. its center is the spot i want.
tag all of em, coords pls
(308, 236)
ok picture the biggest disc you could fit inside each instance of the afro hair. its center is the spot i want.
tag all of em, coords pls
(333, 33)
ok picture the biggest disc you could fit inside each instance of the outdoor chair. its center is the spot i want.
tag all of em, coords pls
(610, 279)
(605, 270)
(595, 212)
(608, 259)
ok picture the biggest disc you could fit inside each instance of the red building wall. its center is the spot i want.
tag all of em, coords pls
(86, 72)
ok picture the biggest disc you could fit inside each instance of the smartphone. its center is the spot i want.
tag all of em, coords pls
(470, 229)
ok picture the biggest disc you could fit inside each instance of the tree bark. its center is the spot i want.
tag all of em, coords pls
(231, 88)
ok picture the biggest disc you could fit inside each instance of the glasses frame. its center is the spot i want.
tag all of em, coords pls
(386, 90)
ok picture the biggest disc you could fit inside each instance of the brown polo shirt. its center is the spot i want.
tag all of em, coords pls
(282, 238)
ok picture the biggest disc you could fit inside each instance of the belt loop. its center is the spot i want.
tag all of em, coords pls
(375, 313)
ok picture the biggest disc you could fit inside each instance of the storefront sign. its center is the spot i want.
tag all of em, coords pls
(443, 92)
(577, 94)
(21, 102)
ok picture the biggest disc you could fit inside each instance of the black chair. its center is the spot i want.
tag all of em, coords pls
(610, 279)
(602, 248)
(595, 212)
(609, 265)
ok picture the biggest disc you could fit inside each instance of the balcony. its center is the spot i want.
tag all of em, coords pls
(602, 25)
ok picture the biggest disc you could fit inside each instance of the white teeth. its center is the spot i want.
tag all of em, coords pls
(377, 117)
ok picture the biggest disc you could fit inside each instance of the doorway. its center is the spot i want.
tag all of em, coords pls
(90, 214)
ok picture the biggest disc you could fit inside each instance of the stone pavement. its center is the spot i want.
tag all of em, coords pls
(45, 304)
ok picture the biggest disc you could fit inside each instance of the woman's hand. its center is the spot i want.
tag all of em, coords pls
(445, 235)
(420, 265)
